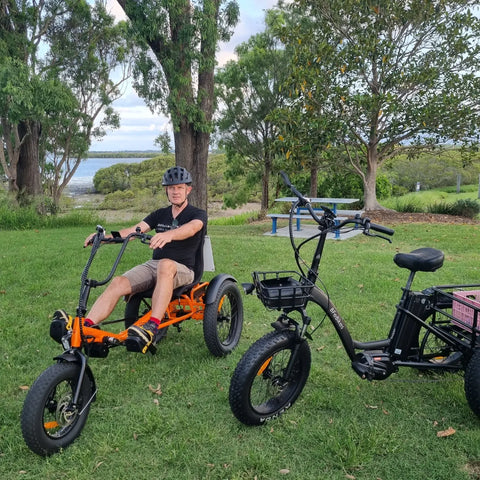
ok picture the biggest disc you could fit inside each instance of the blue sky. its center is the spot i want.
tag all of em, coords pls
(139, 126)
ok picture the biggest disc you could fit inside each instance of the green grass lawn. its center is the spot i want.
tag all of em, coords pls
(340, 427)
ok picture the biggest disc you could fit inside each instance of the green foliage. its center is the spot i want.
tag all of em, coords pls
(55, 75)
(339, 185)
(183, 37)
(445, 201)
(409, 204)
(119, 200)
(111, 179)
(400, 76)
(241, 219)
(133, 176)
(163, 141)
(248, 90)
(26, 218)
(432, 170)
(463, 208)
(137, 184)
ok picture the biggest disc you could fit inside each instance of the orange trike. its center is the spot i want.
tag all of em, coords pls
(57, 405)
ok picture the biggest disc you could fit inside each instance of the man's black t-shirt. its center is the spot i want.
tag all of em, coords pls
(182, 251)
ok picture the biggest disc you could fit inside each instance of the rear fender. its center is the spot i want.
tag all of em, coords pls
(215, 284)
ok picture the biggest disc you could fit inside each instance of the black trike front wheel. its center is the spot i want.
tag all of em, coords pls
(269, 377)
(49, 419)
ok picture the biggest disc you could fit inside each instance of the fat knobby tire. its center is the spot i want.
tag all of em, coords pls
(472, 383)
(256, 369)
(223, 320)
(39, 399)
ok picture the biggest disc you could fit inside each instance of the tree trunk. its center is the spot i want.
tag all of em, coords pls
(28, 168)
(192, 129)
(313, 181)
(199, 170)
(370, 181)
(265, 188)
(191, 152)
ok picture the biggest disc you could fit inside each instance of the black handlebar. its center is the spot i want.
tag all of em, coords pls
(381, 229)
(302, 199)
(117, 238)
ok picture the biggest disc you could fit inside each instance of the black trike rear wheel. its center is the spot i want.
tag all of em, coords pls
(223, 320)
(433, 349)
(472, 383)
(260, 389)
(49, 420)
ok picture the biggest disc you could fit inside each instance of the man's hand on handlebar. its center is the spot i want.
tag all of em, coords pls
(89, 240)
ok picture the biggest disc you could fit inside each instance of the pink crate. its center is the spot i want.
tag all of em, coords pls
(463, 312)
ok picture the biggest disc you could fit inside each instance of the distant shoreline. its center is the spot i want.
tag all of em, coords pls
(123, 154)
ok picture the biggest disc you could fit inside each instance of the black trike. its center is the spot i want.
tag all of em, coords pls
(435, 329)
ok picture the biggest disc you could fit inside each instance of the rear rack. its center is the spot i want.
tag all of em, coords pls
(454, 307)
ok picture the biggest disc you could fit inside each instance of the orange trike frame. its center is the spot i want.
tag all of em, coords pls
(190, 305)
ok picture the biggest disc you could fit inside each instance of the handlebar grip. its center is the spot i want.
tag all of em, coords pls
(381, 229)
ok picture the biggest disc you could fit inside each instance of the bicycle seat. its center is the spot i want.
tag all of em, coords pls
(420, 260)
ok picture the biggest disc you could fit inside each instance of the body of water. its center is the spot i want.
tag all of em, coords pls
(82, 181)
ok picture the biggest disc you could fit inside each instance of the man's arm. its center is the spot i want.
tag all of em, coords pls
(144, 227)
(184, 231)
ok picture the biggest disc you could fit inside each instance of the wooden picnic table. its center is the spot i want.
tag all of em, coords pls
(333, 202)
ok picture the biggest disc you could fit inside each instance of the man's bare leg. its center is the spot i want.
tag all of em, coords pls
(162, 294)
(107, 301)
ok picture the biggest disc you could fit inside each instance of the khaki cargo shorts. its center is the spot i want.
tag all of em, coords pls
(144, 276)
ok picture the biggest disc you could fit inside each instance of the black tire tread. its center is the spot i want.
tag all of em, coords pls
(247, 369)
(472, 383)
(32, 414)
(215, 345)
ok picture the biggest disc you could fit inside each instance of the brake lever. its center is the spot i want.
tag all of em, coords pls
(368, 234)
(146, 239)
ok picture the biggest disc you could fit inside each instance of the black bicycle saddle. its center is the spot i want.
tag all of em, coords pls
(420, 260)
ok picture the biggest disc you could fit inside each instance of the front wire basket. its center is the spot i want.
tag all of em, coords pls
(282, 290)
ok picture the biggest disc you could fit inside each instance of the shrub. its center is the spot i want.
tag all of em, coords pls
(463, 208)
(408, 205)
(26, 218)
(118, 200)
(466, 208)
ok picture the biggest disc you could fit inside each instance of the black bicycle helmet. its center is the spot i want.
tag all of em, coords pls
(176, 175)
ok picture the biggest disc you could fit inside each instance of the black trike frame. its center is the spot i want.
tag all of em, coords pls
(424, 333)
(401, 348)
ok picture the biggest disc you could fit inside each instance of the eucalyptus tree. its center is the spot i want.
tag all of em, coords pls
(174, 73)
(401, 76)
(248, 91)
(55, 81)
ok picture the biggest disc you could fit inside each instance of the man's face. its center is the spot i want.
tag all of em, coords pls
(177, 194)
